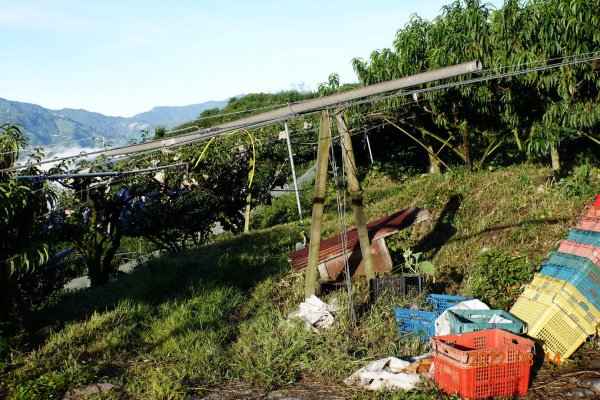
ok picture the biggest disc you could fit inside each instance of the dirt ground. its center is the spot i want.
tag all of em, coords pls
(548, 383)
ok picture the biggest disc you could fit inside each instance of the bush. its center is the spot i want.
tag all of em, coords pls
(498, 279)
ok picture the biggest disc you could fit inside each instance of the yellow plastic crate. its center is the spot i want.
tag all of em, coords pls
(545, 289)
(558, 333)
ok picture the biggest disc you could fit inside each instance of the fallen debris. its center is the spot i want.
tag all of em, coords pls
(316, 313)
(391, 373)
(84, 392)
(442, 325)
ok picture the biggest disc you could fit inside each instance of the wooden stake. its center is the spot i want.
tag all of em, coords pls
(318, 205)
(356, 196)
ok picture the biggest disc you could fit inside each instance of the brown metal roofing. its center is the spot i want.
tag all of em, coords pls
(381, 228)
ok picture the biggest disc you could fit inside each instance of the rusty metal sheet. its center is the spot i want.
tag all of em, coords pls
(335, 267)
(383, 227)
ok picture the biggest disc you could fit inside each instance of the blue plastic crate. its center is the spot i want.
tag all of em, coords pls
(586, 278)
(422, 322)
(441, 302)
(581, 236)
(418, 322)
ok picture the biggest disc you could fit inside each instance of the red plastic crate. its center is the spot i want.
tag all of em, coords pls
(589, 224)
(597, 202)
(482, 364)
(588, 251)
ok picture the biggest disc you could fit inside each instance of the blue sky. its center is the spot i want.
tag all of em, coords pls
(127, 56)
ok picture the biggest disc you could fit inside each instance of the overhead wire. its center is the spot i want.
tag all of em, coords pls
(341, 209)
(97, 174)
(44, 146)
(472, 80)
(209, 135)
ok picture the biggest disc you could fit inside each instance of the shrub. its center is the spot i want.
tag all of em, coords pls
(498, 278)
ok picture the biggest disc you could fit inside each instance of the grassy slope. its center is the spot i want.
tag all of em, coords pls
(180, 325)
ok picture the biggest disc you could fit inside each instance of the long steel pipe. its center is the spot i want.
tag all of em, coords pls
(308, 106)
(290, 111)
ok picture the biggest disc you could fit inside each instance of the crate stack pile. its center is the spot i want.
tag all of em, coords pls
(422, 322)
(561, 306)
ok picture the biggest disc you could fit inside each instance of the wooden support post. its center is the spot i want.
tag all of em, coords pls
(355, 195)
(318, 205)
(247, 211)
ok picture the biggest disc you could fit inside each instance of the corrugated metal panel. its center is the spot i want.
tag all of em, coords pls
(381, 228)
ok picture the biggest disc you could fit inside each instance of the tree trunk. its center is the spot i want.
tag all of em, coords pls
(5, 294)
(465, 145)
(518, 140)
(98, 276)
(434, 162)
(555, 159)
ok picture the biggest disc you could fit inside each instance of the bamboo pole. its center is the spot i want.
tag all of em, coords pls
(356, 196)
(247, 211)
(318, 205)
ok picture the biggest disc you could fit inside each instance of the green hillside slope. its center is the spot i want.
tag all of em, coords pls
(185, 325)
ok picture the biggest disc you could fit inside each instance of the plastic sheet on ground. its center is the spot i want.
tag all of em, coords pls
(316, 313)
(391, 373)
(442, 326)
(497, 319)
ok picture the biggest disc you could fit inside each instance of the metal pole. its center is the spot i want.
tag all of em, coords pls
(356, 196)
(289, 146)
(318, 205)
(309, 106)
(290, 111)
(369, 146)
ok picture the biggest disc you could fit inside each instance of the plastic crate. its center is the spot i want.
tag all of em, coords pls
(586, 281)
(552, 319)
(563, 293)
(593, 211)
(597, 202)
(589, 224)
(423, 322)
(396, 285)
(553, 327)
(581, 236)
(588, 251)
(462, 321)
(441, 302)
(419, 322)
(460, 367)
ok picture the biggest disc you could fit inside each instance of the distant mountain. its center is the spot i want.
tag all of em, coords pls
(173, 116)
(44, 126)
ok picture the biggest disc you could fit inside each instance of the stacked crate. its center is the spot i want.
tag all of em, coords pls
(562, 305)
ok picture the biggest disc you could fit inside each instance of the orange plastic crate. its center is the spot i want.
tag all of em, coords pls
(593, 210)
(482, 364)
(589, 224)
(588, 251)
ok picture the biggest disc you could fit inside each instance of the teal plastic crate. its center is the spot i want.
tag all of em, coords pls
(581, 236)
(462, 321)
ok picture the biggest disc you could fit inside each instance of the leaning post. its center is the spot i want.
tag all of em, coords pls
(355, 195)
(318, 205)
